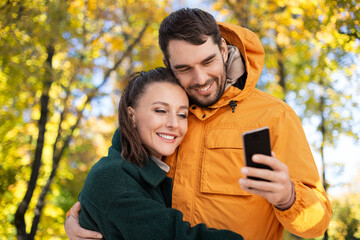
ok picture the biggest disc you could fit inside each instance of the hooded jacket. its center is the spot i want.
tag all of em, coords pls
(206, 166)
(124, 201)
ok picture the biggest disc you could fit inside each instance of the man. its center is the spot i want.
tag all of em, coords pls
(219, 73)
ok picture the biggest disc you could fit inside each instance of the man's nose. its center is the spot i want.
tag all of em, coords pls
(199, 75)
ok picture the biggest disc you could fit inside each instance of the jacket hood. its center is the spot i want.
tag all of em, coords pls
(253, 54)
(251, 50)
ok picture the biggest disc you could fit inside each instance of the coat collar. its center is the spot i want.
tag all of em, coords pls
(150, 172)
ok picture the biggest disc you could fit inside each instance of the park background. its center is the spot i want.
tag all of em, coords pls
(63, 65)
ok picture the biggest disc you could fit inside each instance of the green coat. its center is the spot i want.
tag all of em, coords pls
(124, 201)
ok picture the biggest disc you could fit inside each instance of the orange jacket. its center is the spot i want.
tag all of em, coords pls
(206, 167)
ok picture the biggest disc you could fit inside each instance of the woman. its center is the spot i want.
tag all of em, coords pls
(127, 194)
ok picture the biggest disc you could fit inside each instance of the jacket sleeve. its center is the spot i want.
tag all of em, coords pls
(134, 217)
(311, 212)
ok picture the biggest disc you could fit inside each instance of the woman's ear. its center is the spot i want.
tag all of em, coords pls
(224, 49)
(131, 113)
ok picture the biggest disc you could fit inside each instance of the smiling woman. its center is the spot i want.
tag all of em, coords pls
(127, 194)
(160, 118)
(152, 107)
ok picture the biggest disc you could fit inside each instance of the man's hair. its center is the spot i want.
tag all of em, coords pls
(132, 147)
(190, 24)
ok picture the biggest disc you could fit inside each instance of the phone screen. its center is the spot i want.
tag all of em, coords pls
(256, 142)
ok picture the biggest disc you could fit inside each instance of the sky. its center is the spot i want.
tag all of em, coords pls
(345, 152)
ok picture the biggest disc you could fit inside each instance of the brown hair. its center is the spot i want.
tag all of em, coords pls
(132, 148)
(190, 24)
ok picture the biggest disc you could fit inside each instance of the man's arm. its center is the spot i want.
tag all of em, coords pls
(73, 229)
(311, 211)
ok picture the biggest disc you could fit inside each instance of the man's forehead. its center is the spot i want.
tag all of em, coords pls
(184, 52)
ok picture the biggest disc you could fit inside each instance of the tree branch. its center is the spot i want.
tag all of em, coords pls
(354, 34)
(124, 55)
(58, 154)
(44, 102)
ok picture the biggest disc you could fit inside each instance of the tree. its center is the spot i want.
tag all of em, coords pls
(58, 59)
(312, 52)
(346, 219)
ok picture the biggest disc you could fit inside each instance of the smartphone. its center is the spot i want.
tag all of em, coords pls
(256, 142)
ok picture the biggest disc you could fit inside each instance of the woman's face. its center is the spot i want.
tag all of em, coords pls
(160, 117)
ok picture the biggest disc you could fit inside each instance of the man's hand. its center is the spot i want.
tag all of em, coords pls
(73, 229)
(279, 190)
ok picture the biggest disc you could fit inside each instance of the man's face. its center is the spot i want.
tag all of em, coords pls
(200, 69)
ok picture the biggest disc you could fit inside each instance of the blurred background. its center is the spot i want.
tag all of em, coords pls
(63, 65)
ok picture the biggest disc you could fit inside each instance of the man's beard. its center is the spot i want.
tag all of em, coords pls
(219, 92)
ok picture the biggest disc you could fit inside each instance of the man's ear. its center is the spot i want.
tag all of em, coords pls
(224, 49)
(131, 113)
(166, 63)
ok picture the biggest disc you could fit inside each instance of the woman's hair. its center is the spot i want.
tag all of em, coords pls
(132, 148)
(189, 24)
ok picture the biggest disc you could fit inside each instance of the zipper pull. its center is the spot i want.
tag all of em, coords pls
(233, 105)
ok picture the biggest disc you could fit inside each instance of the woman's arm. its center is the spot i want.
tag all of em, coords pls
(135, 216)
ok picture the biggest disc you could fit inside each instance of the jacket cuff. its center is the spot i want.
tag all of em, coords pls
(291, 201)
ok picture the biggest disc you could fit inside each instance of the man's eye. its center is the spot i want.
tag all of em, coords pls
(208, 62)
(183, 70)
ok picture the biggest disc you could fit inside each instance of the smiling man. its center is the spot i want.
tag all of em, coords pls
(202, 73)
(218, 65)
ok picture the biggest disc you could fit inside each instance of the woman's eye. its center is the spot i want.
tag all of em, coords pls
(160, 111)
(183, 115)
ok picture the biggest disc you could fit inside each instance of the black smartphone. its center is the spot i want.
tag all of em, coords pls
(256, 142)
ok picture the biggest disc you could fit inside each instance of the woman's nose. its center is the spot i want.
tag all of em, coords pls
(172, 121)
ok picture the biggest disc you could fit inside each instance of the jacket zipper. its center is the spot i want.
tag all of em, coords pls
(233, 105)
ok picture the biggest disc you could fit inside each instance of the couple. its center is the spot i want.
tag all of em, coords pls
(218, 65)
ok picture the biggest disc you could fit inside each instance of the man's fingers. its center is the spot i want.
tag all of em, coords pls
(278, 190)
(262, 186)
(259, 173)
(76, 209)
(75, 232)
(88, 234)
(272, 161)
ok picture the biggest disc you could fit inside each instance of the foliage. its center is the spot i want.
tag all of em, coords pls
(311, 49)
(62, 64)
(346, 219)
(312, 60)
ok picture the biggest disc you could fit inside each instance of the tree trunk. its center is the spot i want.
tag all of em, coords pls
(44, 103)
(20, 213)
(40, 203)
(241, 10)
(281, 70)
(57, 155)
(323, 134)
